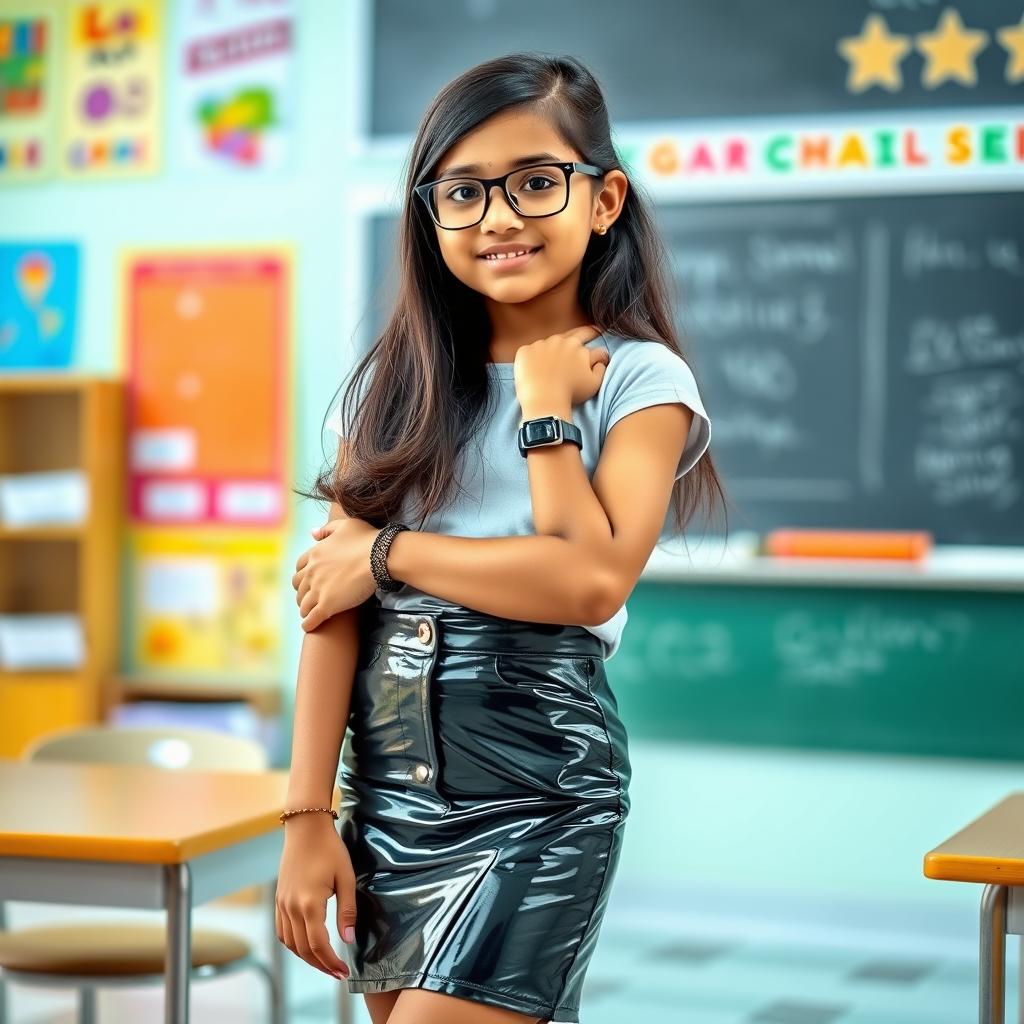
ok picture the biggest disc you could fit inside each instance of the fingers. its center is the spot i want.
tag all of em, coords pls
(318, 943)
(299, 930)
(307, 601)
(585, 333)
(301, 563)
(311, 621)
(345, 888)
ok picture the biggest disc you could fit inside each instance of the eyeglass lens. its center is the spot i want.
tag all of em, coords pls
(534, 192)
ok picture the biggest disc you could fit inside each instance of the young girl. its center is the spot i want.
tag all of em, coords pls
(529, 401)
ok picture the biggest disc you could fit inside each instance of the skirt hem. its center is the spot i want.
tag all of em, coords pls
(467, 990)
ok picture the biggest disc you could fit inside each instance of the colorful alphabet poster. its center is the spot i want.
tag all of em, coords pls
(206, 365)
(38, 304)
(206, 602)
(27, 105)
(113, 96)
(235, 85)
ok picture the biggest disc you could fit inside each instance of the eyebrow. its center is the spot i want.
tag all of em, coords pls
(523, 161)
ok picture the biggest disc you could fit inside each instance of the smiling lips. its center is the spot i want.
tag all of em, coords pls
(510, 259)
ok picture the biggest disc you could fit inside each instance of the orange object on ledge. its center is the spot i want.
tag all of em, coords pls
(903, 545)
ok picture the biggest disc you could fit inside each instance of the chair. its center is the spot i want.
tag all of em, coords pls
(106, 954)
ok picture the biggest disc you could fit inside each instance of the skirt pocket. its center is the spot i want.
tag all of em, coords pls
(553, 726)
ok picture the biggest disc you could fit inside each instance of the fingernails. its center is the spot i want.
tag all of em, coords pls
(349, 934)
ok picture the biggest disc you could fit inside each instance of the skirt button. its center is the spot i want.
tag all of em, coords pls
(424, 632)
(422, 772)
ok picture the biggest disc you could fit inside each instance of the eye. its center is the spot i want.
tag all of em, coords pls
(453, 194)
(538, 177)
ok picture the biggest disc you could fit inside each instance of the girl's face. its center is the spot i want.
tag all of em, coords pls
(498, 145)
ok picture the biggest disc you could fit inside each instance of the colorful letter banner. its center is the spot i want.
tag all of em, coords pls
(207, 375)
(27, 105)
(235, 85)
(113, 98)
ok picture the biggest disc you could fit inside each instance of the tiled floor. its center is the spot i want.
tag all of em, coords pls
(663, 957)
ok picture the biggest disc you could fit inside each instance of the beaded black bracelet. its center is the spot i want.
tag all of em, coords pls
(379, 557)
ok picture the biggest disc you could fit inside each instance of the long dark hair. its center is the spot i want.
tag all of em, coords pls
(406, 436)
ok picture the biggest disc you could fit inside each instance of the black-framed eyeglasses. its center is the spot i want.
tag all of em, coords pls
(540, 190)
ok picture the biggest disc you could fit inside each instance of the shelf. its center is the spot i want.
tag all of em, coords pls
(63, 676)
(264, 695)
(32, 381)
(56, 532)
(50, 421)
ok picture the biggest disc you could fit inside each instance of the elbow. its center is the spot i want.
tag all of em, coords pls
(601, 600)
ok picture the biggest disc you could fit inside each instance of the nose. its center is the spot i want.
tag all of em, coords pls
(499, 211)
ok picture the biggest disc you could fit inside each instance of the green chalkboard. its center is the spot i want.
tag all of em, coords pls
(901, 671)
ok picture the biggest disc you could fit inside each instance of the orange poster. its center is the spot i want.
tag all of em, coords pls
(207, 376)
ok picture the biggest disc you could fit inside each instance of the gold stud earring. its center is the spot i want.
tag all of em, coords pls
(602, 228)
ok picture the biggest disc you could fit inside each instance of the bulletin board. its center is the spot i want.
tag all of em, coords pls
(207, 379)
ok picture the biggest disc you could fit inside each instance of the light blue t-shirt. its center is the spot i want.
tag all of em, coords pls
(496, 500)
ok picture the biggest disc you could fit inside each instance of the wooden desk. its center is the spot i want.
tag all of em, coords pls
(990, 850)
(136, 836)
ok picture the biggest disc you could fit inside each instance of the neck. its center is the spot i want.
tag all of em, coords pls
(514, 324)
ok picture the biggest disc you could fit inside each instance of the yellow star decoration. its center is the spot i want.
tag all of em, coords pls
(874, 56)
(1012, 40)
(950, 50)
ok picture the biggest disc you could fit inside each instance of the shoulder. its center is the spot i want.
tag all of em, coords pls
(641, 364)
(642, 373)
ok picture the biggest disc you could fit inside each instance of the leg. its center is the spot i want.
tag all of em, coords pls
(419, 1006)
(380, 1005)
(178, 960)
(992, 958)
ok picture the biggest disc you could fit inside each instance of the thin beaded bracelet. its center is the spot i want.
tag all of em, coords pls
(303, 810)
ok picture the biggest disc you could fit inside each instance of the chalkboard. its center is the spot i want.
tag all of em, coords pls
(917, 672)
(662, 60)
(862, 358)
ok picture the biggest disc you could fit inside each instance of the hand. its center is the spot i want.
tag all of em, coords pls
(560, 367)
(335, 574)
(315, 865)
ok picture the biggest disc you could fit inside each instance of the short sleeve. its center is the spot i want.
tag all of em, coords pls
(644, 373)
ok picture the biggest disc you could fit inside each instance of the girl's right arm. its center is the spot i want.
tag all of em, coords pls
(315, 862)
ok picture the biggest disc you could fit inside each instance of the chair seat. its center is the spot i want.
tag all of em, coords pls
(109, 948)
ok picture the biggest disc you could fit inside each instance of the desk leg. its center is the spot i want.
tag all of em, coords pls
(992, 959)
(3, 984)
(178, 961)
(278, 1011)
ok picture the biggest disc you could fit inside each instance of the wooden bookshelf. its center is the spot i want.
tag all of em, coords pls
(60, 421)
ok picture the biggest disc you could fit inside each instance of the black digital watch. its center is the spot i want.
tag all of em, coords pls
(547, 430)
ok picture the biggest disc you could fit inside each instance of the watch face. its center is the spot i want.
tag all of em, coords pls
(538, 431)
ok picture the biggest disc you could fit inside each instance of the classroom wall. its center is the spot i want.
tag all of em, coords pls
(303, 207)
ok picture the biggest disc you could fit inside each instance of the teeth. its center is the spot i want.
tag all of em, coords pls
(505, 255)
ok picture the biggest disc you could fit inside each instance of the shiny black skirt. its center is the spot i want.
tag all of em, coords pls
(484, 785)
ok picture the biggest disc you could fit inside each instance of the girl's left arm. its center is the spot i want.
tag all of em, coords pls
(593, 539)
(624, 507)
